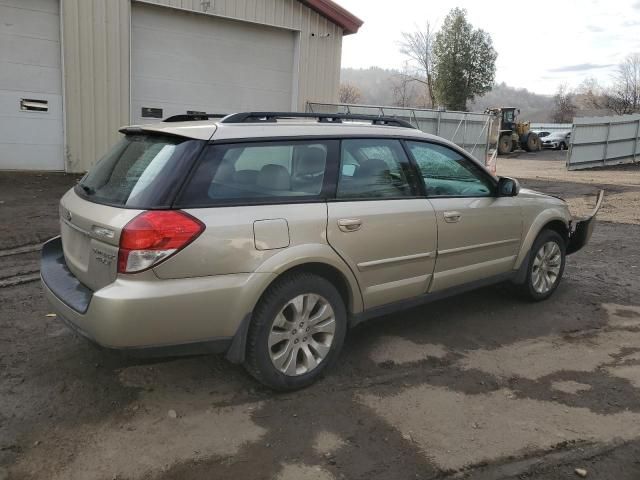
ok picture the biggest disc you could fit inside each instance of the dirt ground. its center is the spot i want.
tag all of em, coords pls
(480, 386)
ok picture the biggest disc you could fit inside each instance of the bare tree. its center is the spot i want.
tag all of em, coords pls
(349, 93)
(418, 46)
(564, 109)
(403, 89)
(591, 95)
(624, 95)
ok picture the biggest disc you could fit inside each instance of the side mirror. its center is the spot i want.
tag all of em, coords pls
(508, 187)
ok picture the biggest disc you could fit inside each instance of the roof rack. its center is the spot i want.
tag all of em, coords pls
(190, 117)
(272, 117)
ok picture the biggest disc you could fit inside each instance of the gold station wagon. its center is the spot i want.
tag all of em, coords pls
(266, 236)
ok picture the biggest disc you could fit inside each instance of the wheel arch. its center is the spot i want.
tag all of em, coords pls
(320, 259)
(317, 259)
(548, 219)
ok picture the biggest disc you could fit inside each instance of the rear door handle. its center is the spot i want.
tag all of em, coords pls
(349, 224)
(452, 217)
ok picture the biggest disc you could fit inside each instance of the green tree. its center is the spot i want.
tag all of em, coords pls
(465, 61)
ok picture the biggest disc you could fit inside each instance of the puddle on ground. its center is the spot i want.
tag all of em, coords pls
(399, 351)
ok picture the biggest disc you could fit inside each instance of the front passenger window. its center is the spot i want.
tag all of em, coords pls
(446, 173)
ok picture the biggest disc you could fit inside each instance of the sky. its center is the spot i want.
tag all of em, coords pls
(540, 46)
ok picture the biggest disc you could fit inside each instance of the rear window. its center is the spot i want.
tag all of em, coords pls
(141, 171)
(259, 173)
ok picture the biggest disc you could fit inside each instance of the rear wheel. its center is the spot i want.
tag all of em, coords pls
(546, 266)
(297, 331)
(505, 145)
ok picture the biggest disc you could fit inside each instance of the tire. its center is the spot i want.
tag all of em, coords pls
(505, 145)
(276, 320)
(532, 142)
(531, 289)
(563, 146)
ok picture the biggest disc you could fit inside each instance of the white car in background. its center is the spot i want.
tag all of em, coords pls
(542, 133)
(557, 140)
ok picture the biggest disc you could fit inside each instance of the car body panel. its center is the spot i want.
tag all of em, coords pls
(582, 228)
(392, 252)
(228, 244)
(538, 210)
(318, 254)
(483, 242)
(140, 311)
(90, 237)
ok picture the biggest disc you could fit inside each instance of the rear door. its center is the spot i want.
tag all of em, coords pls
(479, 233)
(379, 225)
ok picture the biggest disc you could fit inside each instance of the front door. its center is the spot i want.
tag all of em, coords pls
(378, 224)
(479, 234)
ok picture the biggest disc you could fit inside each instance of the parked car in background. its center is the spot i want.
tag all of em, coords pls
(267, 235)
(542, 133)
(557, 140)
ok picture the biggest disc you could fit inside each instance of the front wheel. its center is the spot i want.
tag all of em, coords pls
(546, 266)
(505, 145)
(532, 142)
(297, 331)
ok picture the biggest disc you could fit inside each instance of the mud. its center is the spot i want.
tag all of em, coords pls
(478, 386)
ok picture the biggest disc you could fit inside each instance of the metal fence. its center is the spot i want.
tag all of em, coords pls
(601, 141)
(469, 130)
(551, 127)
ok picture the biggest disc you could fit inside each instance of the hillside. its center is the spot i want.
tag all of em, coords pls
(376, 86)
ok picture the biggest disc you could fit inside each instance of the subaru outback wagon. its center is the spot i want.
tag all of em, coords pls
(267, 236)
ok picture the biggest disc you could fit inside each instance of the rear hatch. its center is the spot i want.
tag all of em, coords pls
(142, 172)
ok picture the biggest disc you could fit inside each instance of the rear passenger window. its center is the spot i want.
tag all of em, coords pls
(373, 168)
(258, 171)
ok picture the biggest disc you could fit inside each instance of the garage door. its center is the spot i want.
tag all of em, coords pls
(185, 61)
(31, 133)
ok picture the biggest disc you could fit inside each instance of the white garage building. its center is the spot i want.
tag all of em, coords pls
(73, 71)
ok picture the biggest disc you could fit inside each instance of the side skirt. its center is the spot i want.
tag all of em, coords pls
(432, 297)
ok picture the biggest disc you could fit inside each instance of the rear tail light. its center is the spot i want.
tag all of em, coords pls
(154, 236)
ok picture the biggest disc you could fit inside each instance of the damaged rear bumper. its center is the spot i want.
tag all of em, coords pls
(582, 228)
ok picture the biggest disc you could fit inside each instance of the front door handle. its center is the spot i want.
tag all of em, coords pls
(452, 217)
(349, 224)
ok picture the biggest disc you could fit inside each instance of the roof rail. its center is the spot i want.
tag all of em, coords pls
(189, 117)
(272, 117)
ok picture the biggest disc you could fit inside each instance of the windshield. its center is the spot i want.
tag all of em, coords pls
(141, 171)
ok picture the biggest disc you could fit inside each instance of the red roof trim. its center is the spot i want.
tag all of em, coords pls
(338, 15)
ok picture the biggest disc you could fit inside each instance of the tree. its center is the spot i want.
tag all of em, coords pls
(349, 93)
(418, 46)
(591, 95)
(465, 61)
(403, 88)
(563, 107)
(624, 96)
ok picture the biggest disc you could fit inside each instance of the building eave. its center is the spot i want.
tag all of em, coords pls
(335, 13)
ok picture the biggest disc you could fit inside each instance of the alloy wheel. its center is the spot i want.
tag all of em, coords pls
(302, 334)
(546, 267)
